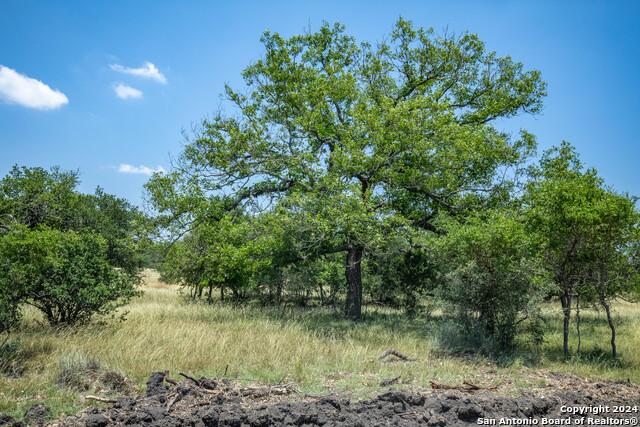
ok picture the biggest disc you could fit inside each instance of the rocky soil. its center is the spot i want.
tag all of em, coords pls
(220, 402)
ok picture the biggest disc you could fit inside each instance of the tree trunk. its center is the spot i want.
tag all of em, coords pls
(279, 279)
(603, 301)
(565, 300)
(353, 274)
(578, 321)
(601, 286)
(322, 298)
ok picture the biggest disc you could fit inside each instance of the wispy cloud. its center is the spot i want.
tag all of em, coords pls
(16, 88)
(125, 168)
(123, 91)
(148, 71)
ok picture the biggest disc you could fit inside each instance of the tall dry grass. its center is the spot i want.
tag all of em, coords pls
(315, 348)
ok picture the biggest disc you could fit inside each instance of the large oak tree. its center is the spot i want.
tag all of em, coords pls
(358, 140)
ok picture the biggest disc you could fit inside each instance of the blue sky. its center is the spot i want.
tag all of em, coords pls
(108, 87)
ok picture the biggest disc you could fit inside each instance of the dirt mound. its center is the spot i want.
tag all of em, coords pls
(212, 402)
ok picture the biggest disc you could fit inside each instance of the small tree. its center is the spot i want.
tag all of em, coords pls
(121, 224)
(69, 254)
(487, 277)
(584, 232)
(35, 196)
(610, 248)
(219, 255)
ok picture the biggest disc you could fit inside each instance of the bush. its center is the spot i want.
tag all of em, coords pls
(488, 281)
(64, 274)
(9, 313)
(10, 295)
(400, 276)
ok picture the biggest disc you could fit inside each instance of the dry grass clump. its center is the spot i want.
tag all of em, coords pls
(79, 373)
(11, 363)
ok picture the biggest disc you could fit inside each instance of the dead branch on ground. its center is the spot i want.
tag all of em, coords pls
(173, 400)
(480, 387)
(469, 387)
(169, 380)
(389, 381)
(393, 352)
(101, 399)
(190, 378)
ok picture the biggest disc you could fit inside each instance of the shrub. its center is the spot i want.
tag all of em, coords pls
(10, 295)
(488, 281)
(64, 274)
(401, 276)
(9, 313)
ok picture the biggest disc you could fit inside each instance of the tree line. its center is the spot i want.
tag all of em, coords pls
(344, 171)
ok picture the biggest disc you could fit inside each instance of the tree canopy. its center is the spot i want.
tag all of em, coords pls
(361, 140)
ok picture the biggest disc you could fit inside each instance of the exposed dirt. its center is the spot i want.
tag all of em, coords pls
(213, 402)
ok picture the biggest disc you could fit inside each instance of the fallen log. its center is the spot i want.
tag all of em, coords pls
(437, 386)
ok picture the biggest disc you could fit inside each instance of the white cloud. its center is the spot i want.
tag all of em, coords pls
(123, 91)
(148, 71)
(16, 88)
(125, 168)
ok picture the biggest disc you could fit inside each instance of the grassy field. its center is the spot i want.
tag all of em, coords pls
(315, 348)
